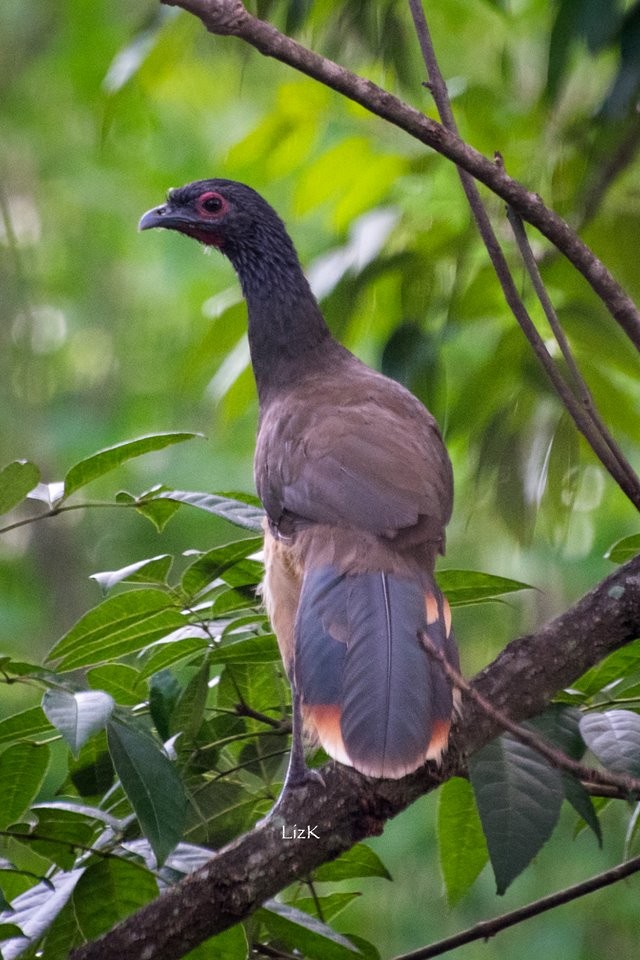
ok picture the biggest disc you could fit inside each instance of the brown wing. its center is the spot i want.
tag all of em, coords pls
(356, 450)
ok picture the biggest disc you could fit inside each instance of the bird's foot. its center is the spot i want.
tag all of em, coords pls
(296, 780)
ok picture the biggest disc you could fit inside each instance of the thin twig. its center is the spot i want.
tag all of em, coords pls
(489, 928)
(556, 757)
(593, 431)
(581, 390)
(231, 17)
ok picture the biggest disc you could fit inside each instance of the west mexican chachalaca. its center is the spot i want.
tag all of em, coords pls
(357, 488)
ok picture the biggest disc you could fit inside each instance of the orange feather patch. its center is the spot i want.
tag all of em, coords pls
(323, 722)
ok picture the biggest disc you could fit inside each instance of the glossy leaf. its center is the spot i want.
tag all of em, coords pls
(359, 861)
(149, 505)
(211, 565)
(230, 945)
(262, 649)
(519, 797)
(22, 771)
(120, 625)
(610, 671)
(92, 773)
(154, 570)
(30, 724)
(164, 691)
(219, 810)
(472, 586)
(17, 479)
(614, 737)
(188, 713)
(236, 512)
(164, 655)
(461, 842)
(122, 682)
(61, 834)
(78, 716)
(302, 932)
(325, 907)
(108, 459)
(152, 785)
(625, 549)
(581, 801)
(108, 891)
(35, 911)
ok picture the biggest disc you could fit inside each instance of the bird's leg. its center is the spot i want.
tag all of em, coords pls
(298, 773)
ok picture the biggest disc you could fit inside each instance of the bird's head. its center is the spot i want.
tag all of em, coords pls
(217, 213)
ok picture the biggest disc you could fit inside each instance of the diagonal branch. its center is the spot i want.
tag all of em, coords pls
(619, 466)
(231, 17)
(581, 407)
(489, 928)
(257, 865)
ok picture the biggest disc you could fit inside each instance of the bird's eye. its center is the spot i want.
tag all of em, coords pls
(211, 203)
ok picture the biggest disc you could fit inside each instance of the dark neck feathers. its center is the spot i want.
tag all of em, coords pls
(287, 332)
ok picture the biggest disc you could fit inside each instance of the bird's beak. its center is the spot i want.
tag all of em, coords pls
(158, 217)
(181, 219)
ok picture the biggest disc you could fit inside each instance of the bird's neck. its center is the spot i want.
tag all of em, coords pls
(287, 332)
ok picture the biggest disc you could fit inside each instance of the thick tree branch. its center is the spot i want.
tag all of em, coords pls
(240, 877)
(231, 17)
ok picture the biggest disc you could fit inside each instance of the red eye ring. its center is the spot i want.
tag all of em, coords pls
(211, 204)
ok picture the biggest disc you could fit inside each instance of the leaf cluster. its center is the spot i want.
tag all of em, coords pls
(169, 703)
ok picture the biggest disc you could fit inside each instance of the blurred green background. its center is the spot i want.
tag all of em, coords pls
(106, 334)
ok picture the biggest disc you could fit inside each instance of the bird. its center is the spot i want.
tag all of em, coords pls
(357, 488)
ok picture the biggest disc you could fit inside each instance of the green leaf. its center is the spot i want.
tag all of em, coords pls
(92, 772)
(625, 549)
(519, 797)
(359, 861)
(219, 811)
(154, 570)
(17, 479)
(9, 930)
(621, 663)
(262, 649)
(235, 511)
(124, 683)
(23, 767)
(78, 716)
(164, 691)
(326, 907)
(560, 725)
(118, 626)
(152, 785)
(35, 910)
(159, 512)
(27, 725)
(472, 586)
(108, 459)
(108, 891)
(614, 737)
(462, 846)
(188, 713)
(163, 655)
(582, 803)
(68, 830)
(211, 565)
(63, 936)
(230, 945)
(306, 934)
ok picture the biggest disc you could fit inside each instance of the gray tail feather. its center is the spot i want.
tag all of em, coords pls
(358, 651)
